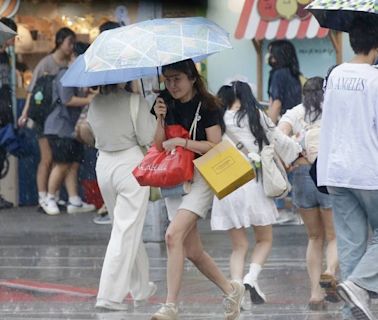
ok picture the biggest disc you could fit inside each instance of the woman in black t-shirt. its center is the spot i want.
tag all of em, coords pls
(284, 85)
(185, 92)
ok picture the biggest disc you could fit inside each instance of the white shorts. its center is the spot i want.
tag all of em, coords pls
(198, 200)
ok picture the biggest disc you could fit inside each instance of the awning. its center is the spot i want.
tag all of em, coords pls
(252, 26)
(8, 8)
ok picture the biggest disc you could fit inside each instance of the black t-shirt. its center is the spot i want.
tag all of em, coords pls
(285, 87)
(183, 114)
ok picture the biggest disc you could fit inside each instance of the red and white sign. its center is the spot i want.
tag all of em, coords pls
(277, 19)
(8, 8)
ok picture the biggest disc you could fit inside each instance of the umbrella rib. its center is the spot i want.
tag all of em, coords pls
(182, 44)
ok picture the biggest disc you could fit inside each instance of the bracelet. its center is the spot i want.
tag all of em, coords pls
(186, 143)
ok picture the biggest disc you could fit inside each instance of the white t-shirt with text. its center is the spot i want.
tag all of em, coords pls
(348, 153)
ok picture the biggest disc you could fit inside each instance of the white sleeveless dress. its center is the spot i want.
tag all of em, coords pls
(248, 205)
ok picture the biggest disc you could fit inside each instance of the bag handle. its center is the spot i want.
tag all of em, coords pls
(193, 127)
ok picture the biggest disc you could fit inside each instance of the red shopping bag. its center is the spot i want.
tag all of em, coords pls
(163, 168)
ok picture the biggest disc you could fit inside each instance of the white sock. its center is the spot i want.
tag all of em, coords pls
(50, 196)
(42, 194)
(254, 271)
(75, 200)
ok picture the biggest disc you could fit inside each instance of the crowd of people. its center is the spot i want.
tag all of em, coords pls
(332, 119)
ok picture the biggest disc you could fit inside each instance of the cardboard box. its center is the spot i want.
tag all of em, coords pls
(224, 168)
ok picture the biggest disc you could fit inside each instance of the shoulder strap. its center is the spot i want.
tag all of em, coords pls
(239, 145)
(134, 104)
(193, 127)
(327, 75)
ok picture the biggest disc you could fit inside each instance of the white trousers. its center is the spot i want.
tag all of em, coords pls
(126, 266)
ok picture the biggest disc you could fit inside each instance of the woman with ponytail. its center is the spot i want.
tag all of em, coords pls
(49, 65)
(248, 206)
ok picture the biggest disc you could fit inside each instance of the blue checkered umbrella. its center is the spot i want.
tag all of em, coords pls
(339, 14)
(137, 50)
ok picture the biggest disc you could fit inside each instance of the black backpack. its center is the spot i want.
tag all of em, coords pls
(42, 100)
(6, 114)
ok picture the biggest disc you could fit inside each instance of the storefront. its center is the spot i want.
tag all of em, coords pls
(37, 22)
(264, 20)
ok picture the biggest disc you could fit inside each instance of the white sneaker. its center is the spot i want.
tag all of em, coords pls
(356, 298)
(168, 311)
(41, 200)
(109, 305)
(50, 207)
(232, 302)
(83, 207)
(152, 290)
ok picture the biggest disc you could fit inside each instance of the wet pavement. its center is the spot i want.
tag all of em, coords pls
(50, 267)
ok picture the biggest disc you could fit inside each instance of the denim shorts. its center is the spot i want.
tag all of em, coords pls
(305, 193)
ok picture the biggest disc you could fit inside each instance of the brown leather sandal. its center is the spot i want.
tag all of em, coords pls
(328, 282)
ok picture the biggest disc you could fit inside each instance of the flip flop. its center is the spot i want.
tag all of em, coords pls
(328, 283)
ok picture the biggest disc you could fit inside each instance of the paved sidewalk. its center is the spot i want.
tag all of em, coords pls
(50, 267)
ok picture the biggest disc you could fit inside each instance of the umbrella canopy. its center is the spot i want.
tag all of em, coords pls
(339, 15)
(6, 33)
(155, 43)
(135, 51)
(77, 76)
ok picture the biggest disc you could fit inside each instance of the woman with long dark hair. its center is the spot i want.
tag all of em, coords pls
(314, 207)
(187, 97)
(284, 86)
(51, 64)
(248, 206)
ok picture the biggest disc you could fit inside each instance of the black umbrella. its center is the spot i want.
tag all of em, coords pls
(339, 15)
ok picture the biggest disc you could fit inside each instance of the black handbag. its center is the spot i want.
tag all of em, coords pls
(314, 177)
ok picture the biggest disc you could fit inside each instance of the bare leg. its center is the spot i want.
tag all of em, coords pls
(57, 176)
(44, 166)
(71, 179)
(314, 257)
(176, 233)
(239, 242)
(264, 240)
(331, 250)
(195, 252)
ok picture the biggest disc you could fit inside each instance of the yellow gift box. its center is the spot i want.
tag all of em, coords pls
(224, 168)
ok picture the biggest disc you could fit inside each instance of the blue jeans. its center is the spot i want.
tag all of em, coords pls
(354, 211)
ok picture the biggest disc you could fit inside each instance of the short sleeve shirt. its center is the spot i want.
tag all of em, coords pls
(285, 87)
(62, 120)
(46, 66)
(183, 113)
